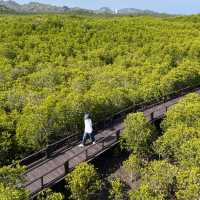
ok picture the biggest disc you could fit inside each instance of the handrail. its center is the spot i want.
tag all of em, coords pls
(85, 151)
(24, 160)
(77, 154)
(72, 157)
(150, 103)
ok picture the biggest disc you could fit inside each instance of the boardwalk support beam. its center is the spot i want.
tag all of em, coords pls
(117, 134)
(42, 181)
(47, 151)
(102, 145)
(152, 116)
(46, 172)
(66, 165)
(86, 154)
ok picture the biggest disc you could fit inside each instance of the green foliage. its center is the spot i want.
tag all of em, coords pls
(182, 132)
(180, 142)
(35, 125)
(83, 181)
(11, 183)
(53, 68)
(48, 194)
(177, 177)
(7, 193)
(188, 184)
(132, 166)
(144, 193)
(116, 189)
(158, 181)
(5, 146)
(137, 133)
(186, 112)
(189, 155)
(181, 76)
(11, 175)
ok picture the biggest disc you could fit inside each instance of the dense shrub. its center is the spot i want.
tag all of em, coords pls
(53, 68)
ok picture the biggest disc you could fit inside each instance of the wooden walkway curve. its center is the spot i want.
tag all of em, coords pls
(51, 170)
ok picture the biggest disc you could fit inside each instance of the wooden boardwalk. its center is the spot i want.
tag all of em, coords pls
(51, 170)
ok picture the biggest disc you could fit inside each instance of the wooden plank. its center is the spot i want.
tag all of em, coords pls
(68, 155)
(36, 173)
(34, 186)
(92, 151)
(53, 175)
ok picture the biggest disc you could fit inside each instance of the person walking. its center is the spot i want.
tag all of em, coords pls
(88, 130)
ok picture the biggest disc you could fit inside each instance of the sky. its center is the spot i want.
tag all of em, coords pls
(168, 6)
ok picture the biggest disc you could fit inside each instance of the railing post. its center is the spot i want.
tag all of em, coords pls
(102, 145)
(117, 134)
(66, 165)
(164, 99)
(121, 116)
(47, 151)
(151, 116)
(42, 181)
(86, 154)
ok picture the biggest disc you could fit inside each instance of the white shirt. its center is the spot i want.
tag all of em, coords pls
(88, 126)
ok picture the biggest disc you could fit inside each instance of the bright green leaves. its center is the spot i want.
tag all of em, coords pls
(7, 140)
(36, 124)
(5, 147)
(158, 179)
(7, 193)
(116, 189)
(189, 155)
(53, 68)
(11, 175)
(143, 193)
(137, 133)
(83, 181)
(168, 145)
(11, 182)
(186, 112)
(181, 143)
(175, 172)
(187, 73)
(132, 166)
(188, 184)
(48, 194)
(182, 131)
(87, 64)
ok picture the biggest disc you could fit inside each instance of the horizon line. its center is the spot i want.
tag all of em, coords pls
(111, 8)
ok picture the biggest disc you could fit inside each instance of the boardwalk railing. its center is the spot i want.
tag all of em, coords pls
(53, 175)
(51, 149)
(70, 141)
(87, 155)
(68, 166)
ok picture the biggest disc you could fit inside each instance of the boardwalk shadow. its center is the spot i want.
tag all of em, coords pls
(110, 138)
(107, 140)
